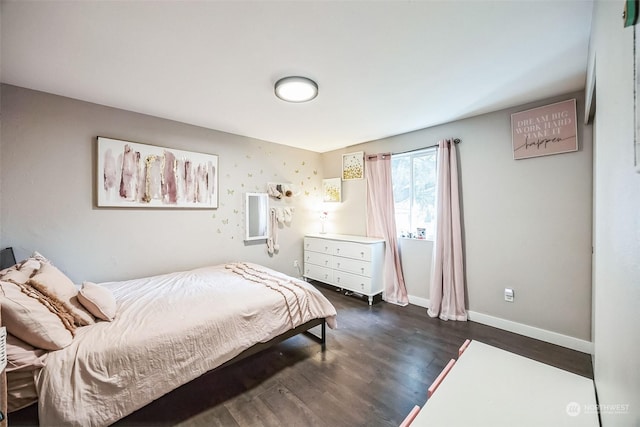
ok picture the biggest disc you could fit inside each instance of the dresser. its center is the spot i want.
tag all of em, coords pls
(353, 263)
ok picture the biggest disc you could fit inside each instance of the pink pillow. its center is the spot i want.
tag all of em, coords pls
(26, 317)
(98, 300)
(29, 320)
(22, 356)
(52, 282)
(32, 264)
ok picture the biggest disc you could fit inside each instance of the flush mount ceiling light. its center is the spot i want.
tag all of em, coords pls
(296, 89)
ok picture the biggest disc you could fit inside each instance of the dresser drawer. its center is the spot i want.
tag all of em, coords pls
(353, 250)
(318, 245)
(353, 282)
(316, 272)
(317, 258)
(362, 268)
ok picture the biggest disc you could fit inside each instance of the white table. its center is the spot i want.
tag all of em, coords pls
(492, 387)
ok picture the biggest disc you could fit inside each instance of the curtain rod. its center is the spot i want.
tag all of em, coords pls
(455, 141)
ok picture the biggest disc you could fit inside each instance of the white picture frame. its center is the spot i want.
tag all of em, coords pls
(332, 190)
(546, 130)
(353, 166)
(135, 175)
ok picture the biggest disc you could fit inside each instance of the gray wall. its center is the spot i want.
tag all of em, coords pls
(48, 173)
(617, 220)
(527, 223)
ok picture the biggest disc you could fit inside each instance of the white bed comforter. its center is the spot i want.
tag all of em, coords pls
(169, 330)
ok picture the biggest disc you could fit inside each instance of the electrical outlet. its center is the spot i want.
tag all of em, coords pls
(508, 294)
(295, 263)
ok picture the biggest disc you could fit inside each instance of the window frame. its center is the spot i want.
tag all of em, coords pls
(411, 155)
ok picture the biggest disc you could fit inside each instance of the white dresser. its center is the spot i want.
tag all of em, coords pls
(354, 263)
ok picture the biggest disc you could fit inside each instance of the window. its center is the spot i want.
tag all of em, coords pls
(414, 192)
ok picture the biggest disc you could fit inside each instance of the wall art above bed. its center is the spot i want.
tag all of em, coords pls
(141, 175)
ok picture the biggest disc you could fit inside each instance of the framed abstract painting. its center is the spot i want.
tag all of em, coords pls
(138, 175)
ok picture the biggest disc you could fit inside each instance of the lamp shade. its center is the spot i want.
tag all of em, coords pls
(296, 89)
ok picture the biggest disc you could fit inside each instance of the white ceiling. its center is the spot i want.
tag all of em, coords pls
(383, 67)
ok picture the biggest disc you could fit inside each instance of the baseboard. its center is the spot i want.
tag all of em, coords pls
(519, 328)
(419, 301)
(532, 332)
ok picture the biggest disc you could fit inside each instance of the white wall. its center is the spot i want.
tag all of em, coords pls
(617, 221)
(47, 177)
(527, 223)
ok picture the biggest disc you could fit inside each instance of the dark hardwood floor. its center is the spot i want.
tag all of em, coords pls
(377, 365)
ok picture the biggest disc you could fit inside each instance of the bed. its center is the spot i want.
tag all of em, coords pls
(165, 331)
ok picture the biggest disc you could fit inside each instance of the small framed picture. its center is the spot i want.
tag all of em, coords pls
(353, 166)
(332, 190)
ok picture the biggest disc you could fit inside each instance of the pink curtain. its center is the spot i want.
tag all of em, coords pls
(381, 222)
(447, 277)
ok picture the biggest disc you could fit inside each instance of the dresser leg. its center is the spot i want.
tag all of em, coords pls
(370, 300)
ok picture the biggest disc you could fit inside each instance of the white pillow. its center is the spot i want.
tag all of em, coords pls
(98, 300)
